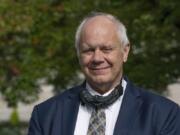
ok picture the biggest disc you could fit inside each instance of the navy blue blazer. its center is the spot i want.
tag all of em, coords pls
(141, 113)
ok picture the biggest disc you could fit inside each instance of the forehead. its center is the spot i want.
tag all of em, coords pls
(99, 28)
(99, 22)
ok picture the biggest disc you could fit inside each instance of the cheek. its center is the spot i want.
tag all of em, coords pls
(117, 62)
(84, 60)
(116, 59)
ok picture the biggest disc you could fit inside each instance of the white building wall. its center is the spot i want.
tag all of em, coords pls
(174, 92)
(24, 110)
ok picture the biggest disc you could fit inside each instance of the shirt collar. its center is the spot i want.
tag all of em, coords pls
(93, 92)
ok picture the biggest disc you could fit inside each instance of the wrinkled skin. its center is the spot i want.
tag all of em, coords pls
(101, 55)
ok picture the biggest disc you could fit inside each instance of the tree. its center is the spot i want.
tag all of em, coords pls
(37, 43)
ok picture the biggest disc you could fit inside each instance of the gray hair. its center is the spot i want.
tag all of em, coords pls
(121, 28)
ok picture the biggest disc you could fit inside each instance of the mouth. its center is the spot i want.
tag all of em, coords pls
(99, 68)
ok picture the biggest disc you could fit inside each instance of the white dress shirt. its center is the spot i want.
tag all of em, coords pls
(111, 112)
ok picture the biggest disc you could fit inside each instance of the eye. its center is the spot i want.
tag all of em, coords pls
(107, 49)
(88, 50)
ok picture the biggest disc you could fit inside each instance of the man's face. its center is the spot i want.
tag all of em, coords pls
(100, 54)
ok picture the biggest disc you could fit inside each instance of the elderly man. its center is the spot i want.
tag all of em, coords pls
(107, 103)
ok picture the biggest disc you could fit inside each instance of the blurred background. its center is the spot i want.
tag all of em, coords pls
(38, 57)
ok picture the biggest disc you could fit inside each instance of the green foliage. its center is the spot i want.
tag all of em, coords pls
(37, 42)
(154, 34)
(14, 119)
(9, 129)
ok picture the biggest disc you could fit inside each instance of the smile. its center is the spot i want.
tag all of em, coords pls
(101, 68)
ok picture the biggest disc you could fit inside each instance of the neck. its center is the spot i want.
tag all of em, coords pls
(100, 89)
(103, 87)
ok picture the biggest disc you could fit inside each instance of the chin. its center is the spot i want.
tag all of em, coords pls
(100, 80)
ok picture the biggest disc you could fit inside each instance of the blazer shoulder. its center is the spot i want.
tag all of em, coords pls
(60, 98)
(156, 100)
(149, 97)
(51, 110)
(162, 111)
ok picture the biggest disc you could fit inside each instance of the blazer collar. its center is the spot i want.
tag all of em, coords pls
(70, 110)
(130, 109)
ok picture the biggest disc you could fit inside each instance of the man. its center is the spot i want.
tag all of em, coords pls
(107, 103)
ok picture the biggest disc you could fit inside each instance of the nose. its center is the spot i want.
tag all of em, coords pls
(97, 56)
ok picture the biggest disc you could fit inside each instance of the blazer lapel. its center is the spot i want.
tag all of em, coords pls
(70, 111)
(130, 109)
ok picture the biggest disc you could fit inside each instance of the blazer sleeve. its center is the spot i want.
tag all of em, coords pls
(172, 122)
(34, 126)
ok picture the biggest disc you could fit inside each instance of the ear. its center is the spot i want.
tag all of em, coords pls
(126, 52)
